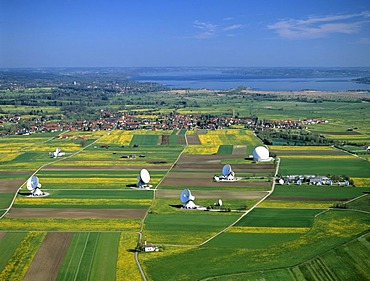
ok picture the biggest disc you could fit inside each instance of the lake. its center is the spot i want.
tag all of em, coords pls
(220, 80)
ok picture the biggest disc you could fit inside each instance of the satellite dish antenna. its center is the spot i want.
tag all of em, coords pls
(186, 196)
(34, 185)
(145, 176)
(219, 202)
(144, 179)
(281, 181)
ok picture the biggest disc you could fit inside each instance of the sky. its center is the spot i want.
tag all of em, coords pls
(128, 33)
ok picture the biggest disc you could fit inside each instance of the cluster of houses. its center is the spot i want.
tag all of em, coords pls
(133, 121)
(311, 180)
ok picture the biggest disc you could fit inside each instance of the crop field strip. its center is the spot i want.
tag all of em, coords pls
(48, 258)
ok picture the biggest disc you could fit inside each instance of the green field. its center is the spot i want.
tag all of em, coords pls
(225, 150)
(317, 191)
(351, 167)
(5, 200)
(269, 217)
(144, 140)
(8, 245)
(87, 254)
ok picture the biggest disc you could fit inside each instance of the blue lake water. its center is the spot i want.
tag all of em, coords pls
(217, 80)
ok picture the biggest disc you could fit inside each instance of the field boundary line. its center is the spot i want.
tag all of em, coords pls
(82, 254)
(47, 164)
(93, 256)
(153, 200)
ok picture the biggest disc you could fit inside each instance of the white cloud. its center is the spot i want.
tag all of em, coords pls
(206, 30)
(232, 27)
(318, 27)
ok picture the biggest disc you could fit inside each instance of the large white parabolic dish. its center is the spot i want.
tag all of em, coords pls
(186, 196)
(144, 176)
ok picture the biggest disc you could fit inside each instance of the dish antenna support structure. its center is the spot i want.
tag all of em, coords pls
(144, 179)
(187, 199)
(34, 186)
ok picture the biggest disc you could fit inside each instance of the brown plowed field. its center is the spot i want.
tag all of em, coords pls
(123, 168)
(49, 257)
(203, 179)
(239, 150)
(71, 213)
(201, 194)
(181, 140)
(217, 168)
(10, 185)
(164, 140)
(193, 139)
(213, 163)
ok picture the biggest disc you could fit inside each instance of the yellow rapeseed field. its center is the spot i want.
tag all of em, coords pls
(126, 264)
(9, 156)
(295, 204)
(96, 181)
(20, 262)
(201, 149)
(249, 229)
(46, 224)
(81, 202)
(361, 182)
(116, 137)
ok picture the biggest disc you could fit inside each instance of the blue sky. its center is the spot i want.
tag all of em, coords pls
(53, 33)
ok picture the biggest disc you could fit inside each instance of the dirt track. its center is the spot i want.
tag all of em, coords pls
(10, 185)
(212, 194)
(49, 257)
(71, 213)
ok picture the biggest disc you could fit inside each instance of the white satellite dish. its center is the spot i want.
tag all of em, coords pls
(219, 202)
(145, 176)
(32, 183)
(57, 153)
(228, 175)
(144, 179)
(281, 181)
(186, 196)
(34, 186)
